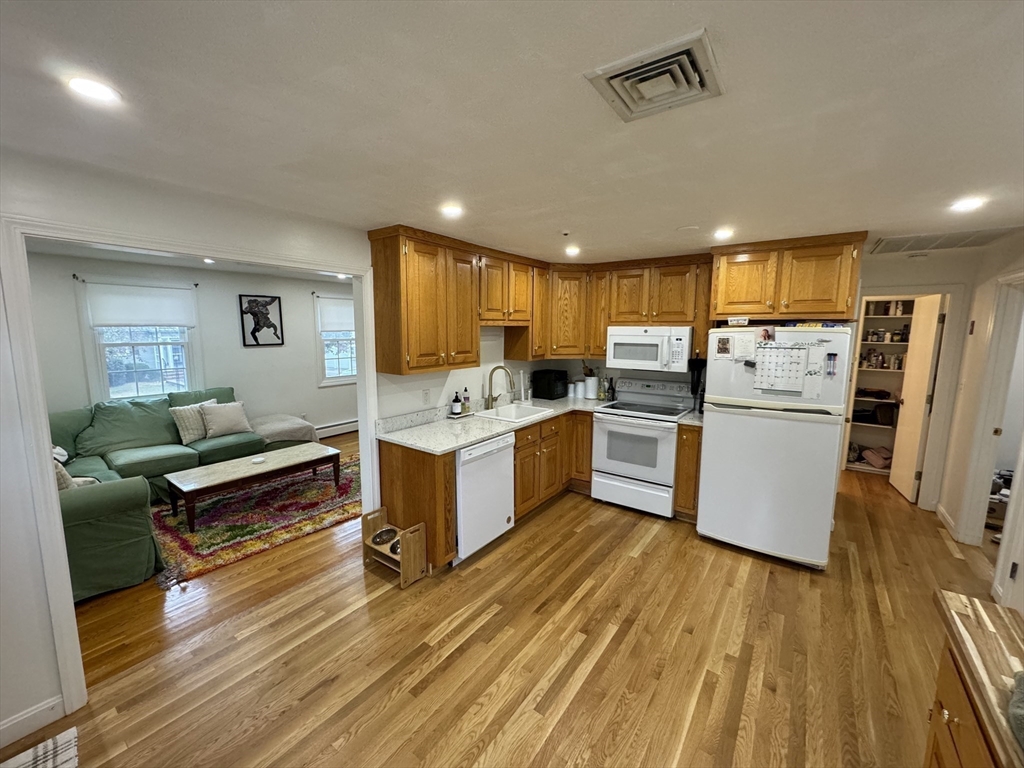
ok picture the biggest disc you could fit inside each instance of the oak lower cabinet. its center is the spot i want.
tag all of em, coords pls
(813, 277)
(538, 464)
(425, 306)
(419, 487)
(527, 479)
(687, 478)
(568, 319)
(582, 450)
(955, 738)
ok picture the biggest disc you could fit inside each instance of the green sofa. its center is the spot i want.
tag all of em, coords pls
(128, 445)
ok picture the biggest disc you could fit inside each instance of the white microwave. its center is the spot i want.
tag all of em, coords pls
(649, 348)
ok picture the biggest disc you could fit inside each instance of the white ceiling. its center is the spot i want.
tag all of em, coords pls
(835, 116)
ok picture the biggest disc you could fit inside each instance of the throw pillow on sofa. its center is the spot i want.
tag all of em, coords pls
(189, 420)
(132, 423)
(64, 480)
(226, 419)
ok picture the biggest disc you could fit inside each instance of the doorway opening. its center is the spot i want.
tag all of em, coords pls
(894, 387)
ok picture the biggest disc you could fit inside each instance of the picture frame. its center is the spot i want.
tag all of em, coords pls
(262, 320)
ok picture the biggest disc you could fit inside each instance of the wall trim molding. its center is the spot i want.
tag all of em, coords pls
(31, 720)
(946, 519)
(340, 428)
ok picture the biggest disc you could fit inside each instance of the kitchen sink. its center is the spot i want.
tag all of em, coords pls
(515, 413)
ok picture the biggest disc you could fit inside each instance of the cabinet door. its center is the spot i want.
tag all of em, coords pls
(744, 284)
(582, 445)
(550, 467)
(816, 280)
(527, 463)
(597, 314)
(463, 319)
(493, 289)
(539, 327)
(520, 292)
(568, 314)
(425, 268)
(566, 430)
(687, 470)
(674, 294)
(630, 296)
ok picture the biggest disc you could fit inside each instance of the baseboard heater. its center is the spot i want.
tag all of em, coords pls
(338, 428)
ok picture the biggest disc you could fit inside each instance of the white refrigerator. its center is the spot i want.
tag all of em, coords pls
(772, 445)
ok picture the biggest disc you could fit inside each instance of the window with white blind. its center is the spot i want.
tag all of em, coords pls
(336, 326)
(142, 338)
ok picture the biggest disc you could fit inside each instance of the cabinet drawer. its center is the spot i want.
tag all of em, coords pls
(953, 713)
(548, 428)
(528, 436)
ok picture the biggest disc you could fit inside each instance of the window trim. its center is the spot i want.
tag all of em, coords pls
(190, 368)
(323, 381)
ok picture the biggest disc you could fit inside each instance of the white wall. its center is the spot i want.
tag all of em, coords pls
(1003, 257)
(1013, 416)
(29, 683)
(55, 198)
(270, 380)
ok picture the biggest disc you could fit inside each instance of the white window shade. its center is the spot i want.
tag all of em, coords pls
(336, 314)
(140, 305)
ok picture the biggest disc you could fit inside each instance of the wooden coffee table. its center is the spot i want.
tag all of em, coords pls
(190, 485)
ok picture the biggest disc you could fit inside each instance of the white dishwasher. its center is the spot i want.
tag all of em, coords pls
(485, 493)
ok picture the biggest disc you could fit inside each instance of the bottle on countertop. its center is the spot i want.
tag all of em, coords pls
(465, 399)
(456, 404)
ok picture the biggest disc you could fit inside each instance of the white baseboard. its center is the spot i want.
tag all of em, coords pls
(31, 720)
(330, 430)
(997, 592)
(946, 520)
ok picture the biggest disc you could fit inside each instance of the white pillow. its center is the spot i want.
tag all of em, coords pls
(189, 420)
(64, 480)
(226, 419)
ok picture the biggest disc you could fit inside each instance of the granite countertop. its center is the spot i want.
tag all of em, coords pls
(987, 641)
(447, 435)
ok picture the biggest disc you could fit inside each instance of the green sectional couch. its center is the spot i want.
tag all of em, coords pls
(128, 445)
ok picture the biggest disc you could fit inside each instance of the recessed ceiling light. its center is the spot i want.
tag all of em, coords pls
(723, 233)
(572, 250)
(451, 210)
(965, 204)
(342, 277)
(94, 90)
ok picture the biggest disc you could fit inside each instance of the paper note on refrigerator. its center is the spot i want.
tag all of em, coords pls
(745, 346)
(780, 367)
(815, 374)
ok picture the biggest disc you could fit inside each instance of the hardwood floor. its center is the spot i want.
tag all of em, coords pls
(347, 443)
(589, 635)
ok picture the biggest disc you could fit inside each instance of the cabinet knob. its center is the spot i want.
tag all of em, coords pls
(537, 453)
(769, 304)
(655, 314)
(442, 355)
(554, 346)
(643, 314)
(945, 715)
(785, 303)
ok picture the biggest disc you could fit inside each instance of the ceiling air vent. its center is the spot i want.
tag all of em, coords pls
(669, 76)
(938, 242)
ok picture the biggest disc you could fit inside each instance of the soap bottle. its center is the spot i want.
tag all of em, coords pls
(456, 404)
(465, 399)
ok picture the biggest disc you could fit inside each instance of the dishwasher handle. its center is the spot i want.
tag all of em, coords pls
(482, 450)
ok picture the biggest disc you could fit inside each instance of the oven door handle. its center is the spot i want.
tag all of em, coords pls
(660, 426)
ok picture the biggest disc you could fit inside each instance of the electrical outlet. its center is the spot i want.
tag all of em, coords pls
(302, 416)
(426, 397)
(1013, 571)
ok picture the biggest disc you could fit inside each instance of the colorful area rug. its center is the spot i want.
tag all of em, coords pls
(235, 526)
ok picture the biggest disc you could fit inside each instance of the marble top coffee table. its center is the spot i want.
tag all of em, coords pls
(190, 485)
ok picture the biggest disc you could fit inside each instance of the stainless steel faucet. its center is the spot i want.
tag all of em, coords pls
(490, 384)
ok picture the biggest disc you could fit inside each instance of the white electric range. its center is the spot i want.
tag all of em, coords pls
(634, 448)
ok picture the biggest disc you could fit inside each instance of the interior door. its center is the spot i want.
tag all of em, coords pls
(520, 292)
(568, 313)
(463, 319)
(674, 294)
(597, 314)
(744, 284)
(915, 410)
(630, 296)
(426, 268)
(493, 289)
(814, 280)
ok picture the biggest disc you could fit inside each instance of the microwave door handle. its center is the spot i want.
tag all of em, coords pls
(666, 352)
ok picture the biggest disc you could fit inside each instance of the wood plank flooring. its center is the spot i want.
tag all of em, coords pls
(590, 635)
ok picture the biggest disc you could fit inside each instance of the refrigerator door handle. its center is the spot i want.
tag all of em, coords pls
(741, 410)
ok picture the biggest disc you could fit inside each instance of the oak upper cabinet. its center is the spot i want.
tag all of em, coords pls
(630, 296)
(425, 304)
(568, 303)
(687, 471)
(816, 280)
(493, 290)
(674, 294)
(520, 292)
(540, 327)
(426, 269)
(597, 314)
(744, 284)
(808, 278)
(463, 290)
